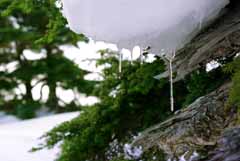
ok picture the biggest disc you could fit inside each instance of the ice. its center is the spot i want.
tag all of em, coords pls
(160, 24)
(18, 138)
(120, 63)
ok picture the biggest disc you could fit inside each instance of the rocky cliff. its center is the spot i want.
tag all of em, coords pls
(196, 129)
(208, 129)
(220, 39)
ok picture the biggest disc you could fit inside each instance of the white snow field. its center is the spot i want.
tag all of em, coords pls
(17, 138)
(161, 24)
(7, 118)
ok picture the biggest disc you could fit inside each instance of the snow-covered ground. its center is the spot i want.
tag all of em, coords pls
(18, 137)
(7, 118)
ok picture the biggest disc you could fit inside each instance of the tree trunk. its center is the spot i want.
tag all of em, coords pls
(52, 99)
(28, 95)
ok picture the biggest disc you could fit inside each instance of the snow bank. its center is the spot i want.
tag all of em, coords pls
(160, 24)
(17, 139)
(7, 118)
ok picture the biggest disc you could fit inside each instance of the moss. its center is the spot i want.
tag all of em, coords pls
(234, 69)
(238, 117)
(234, 97)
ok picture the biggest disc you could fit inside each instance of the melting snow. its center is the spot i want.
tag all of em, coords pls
(160, 24)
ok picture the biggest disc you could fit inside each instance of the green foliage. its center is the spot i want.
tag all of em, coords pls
(200, 83)
(27, 110)
(43, 15)
(38, 26)
(235, 91)
(234, 69)
(120, 159)
(155, 154)
(130, 102)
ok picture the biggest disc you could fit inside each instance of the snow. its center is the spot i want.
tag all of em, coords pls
(160, 24)
(212, 65)
(193, 157)
(7, 118)
(19, 137)
(132, 152)
(31, 55)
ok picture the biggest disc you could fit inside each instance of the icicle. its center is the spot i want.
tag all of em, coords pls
(120, 62)
(131, 57)
(171, 86)
(170, 59)
(141, 57)
(200, 23)
(171, 80)
(201, 20)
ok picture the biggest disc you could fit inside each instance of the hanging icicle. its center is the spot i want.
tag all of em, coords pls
(200, 25)
(141, 56)
(170, 59)
(120, 62)
(131, 58)
(171, 81)
(200, 22)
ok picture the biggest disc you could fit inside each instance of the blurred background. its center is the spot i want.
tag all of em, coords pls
(43, 70)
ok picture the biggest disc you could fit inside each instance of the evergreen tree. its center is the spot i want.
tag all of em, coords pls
(37, 26)
(130, 102)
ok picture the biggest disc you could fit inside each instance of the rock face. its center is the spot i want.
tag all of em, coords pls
(207, 129)
(228, 147)
(220, 39)
(196, 128)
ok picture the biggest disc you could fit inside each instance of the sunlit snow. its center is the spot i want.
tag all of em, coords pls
(160, 24)
(212, 65)
(18, 138)
(31, 55)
